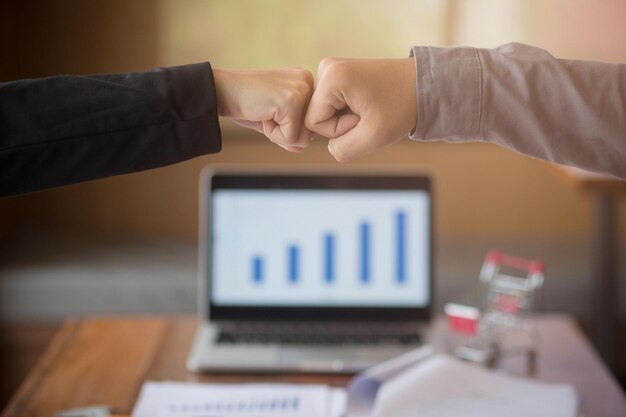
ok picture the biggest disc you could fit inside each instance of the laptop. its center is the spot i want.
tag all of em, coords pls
(312, 272)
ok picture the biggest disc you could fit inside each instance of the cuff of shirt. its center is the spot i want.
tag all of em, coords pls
(449, 93)
(193, 100)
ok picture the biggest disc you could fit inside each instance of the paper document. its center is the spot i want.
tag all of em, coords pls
(178, 399)
(417, 384)
(363, 389)
(443, 386)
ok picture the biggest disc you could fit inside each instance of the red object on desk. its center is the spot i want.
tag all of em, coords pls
(463, 319)
(500, 258)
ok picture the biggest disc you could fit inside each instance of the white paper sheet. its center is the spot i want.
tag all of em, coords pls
(418, 384)
(363, 388)
(338, 400)
(177, 399)
(443, 386)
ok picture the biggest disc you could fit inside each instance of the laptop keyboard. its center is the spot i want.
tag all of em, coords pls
(318, 335)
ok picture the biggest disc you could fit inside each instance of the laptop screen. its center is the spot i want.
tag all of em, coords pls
(320, 243)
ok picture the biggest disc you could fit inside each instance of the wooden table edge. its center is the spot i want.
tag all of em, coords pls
(29, 386)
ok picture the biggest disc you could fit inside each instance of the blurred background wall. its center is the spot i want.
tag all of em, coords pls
(483, 191)
(127, 244)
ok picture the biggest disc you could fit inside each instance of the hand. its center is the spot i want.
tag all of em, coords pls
(271, 101)
(363, 104)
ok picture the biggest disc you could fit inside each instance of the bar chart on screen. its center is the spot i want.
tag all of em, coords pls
(363, 235)
(321, 247)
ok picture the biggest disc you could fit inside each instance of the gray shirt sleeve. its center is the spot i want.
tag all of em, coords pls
(521, 97)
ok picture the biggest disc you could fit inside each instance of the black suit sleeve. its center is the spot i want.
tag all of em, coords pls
(66, 129)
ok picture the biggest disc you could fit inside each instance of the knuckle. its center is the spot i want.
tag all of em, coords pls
(292, 97)
(334, 67)
(337, 153)
(303, 82)
(290, 136)
(306, 77)
(309, 123)
(340, 72)
(305, 89)
(327, 62)
(301, 76)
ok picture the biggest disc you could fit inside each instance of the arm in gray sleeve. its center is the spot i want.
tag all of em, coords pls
(520, 97)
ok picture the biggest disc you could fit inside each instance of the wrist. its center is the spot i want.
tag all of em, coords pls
(410, 81)
(224, 92)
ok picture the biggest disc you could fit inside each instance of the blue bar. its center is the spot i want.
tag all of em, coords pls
(293, 254)
(329, 261)
(400, 247)
(257, 269)
(365, 252)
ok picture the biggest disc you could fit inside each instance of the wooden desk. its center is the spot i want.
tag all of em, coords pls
(106, 360)
(606, 191)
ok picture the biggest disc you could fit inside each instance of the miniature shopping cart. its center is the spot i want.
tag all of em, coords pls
(496, 322)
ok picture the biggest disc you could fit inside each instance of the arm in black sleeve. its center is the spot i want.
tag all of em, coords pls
(66, 129)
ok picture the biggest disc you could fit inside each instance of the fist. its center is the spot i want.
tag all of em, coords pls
(270, 101)
(363, 105)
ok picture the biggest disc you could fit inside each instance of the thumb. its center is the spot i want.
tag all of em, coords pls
(328, 113)
(355, 143)
(249, 124)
